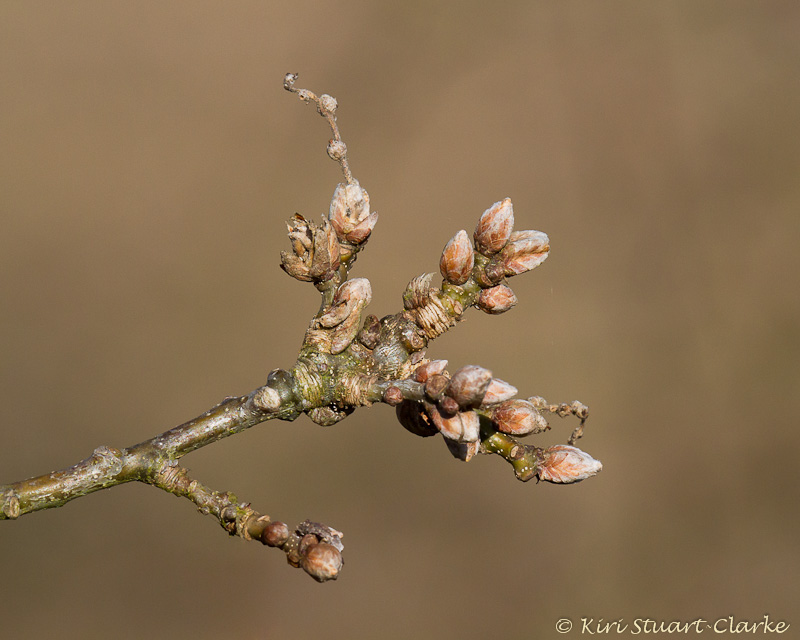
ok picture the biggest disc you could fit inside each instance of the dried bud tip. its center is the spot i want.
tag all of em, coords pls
(468, 385)
(327, 105)
(337, 150)
(288, 81)
(494, 227)
(564, 464)
(322, 562)
(496, 300)
(457, 259)
(275, 534)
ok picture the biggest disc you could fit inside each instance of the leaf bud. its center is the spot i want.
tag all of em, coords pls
(524, 251)
(412, 416)
(518, 417)
(496, 300)
(468, 385)
(494, 227)
(462, 427)
(448, 407)
(435, 386)
(498, 391)
(344, 314)
(463, 451)
(457, 259)
(349, 213)
(393, 396)
(564, 464)
(430, 368)
(322, 561)
(275, 534)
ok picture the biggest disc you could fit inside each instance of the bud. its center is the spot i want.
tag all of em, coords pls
(316, 251)
(345, 313)
(498, 391)
(564, 464)
(494, 227)
(430, 368)
(463, 451)
(518, 417)
(435, 386)
(524, 251)
(496, 300)
(462, 427)
(371, 332)
(393, 396)
(327, 105)
(337, 150)
(275, 534)
(322, 561)
(411, 415)
(349, 213)
(457, 259)
(468, 385)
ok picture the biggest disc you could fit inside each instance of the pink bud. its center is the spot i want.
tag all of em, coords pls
(564, 464)
(349, 213)
(494, 227)
(524, 251)
(496, 300)
(468, 385)
(462, 427)
(457, 259)
(498, 391)
(518, 417)
(428, 369)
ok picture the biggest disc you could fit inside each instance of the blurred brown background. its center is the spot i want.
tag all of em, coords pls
(149, 159)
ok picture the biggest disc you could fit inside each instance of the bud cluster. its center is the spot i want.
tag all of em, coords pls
(502, 253)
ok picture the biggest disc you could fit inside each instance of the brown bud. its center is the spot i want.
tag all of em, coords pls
(435, 386)
(349, 213)
(494, 227)
(564, 464)
(448, 407)
(345, 313)
(316, 254)
(275, 534)
(463, 451)
(468, 385)
(322, 562)
(411, 415)
(496, 300)
(370, 333)
(498, 391)
(518, 417)
(457, 259)
(393, 396)
(306, 541)
(430, 368)
(462, 427)
(524, 251)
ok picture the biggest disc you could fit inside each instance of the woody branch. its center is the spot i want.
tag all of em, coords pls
(348, 360)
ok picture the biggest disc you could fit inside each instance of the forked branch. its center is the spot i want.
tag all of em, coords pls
(349, 360)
